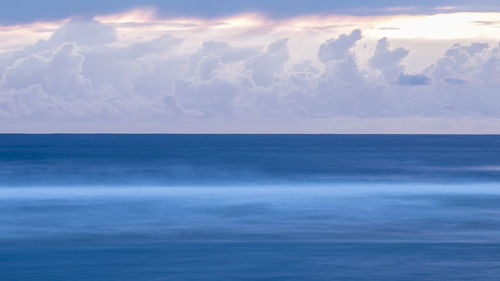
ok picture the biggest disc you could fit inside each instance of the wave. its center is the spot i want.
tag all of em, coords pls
(242, 190)
(385, 212)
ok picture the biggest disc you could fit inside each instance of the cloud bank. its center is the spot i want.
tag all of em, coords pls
(83, 79)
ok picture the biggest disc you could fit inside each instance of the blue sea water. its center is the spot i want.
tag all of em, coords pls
(249, 207)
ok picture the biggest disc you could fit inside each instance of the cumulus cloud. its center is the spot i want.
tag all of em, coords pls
(83, 33)
(464, 62)
(388, 61)
(265, 66)
(338, 49)
(59, 74)
(81, 74)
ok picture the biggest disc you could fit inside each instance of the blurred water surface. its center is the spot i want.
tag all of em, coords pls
(249, 207)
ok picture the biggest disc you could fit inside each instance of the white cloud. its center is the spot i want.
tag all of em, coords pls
(388, 61)
(59, 74)
(83, 33)
(82, 75)
(266, 66)
(338, 49)
(464, 63)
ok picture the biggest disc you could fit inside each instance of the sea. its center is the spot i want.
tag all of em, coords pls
(249, 207)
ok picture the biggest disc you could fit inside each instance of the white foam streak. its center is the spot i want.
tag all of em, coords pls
(337, 190)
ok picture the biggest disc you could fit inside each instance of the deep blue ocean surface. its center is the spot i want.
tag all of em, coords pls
(249, 207)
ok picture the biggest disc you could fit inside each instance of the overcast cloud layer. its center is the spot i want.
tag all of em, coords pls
(22, 11)
(82, 80)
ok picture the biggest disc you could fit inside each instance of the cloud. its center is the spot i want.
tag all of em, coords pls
(22, 11)
(388, 61)
(83, 33)
(465, 62)
(338, 49)
(413, 80)
(455, 81)
(59, 74)
(178, 82)
(487, 22)
(265, 66)
(30, 101)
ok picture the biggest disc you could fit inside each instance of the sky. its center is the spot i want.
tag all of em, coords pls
(250, 66)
